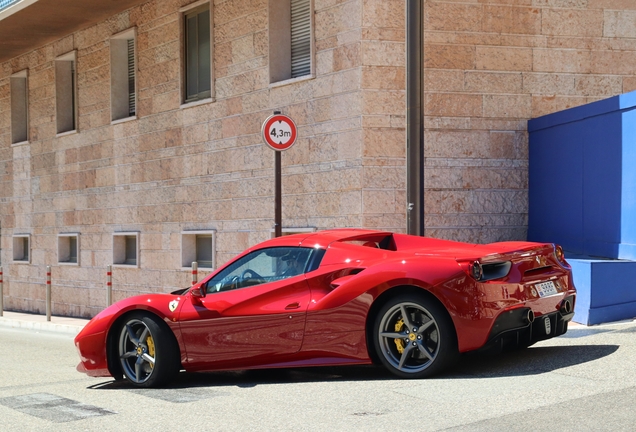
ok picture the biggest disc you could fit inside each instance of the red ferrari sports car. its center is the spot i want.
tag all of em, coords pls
(338, 297)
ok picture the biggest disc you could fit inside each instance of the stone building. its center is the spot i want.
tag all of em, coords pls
(130, 131)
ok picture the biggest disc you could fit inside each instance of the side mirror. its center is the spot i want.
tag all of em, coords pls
(197, 293)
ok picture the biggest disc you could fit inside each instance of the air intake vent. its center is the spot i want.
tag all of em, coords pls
(537, 270)
(495, 270)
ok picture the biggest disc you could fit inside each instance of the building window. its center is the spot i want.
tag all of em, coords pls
(68, 249)
(19, 108)
(126, 249)
(22, 248)
(66, 93)
(198, 246)
(197, 52)
(290, 39)
(123, 94)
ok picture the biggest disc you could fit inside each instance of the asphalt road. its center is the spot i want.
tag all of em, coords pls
(584, 380)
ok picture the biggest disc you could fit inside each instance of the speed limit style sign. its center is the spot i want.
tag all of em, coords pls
(279, 132)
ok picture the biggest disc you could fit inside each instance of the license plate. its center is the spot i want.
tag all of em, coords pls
(546, 289)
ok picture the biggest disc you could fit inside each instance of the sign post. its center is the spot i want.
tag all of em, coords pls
(279, 133)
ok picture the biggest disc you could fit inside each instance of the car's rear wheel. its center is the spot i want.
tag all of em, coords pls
(148, 353)
(415, 337)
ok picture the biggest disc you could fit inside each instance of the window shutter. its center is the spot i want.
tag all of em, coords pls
(131, 77)
(197, 52)
(300, 38)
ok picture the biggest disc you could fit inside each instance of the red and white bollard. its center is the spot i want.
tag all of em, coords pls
(48, 293)
(195, 272)
(109, 285)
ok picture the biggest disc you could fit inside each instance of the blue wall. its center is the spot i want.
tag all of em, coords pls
(582, 178)
(605, 290)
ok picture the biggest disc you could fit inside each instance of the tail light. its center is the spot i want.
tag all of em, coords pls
(560, 256)
(476, 270)
(486, 271)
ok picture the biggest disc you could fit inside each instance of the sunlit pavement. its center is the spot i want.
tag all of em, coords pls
(583, 380)
(28, 321)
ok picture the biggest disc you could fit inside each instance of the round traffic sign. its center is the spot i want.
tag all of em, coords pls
(279, 132)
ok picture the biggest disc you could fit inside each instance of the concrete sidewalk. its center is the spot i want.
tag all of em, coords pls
(29, 321)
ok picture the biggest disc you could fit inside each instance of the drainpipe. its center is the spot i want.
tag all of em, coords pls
(414, 118)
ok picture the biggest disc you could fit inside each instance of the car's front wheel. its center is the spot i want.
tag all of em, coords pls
(415, 337)
(148, 353)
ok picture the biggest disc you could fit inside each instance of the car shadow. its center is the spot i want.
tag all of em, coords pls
(529, 361)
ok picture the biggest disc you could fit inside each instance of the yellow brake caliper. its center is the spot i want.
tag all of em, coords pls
(151, 349)
(399, 343)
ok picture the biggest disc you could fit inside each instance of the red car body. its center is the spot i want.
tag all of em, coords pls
(328, 315)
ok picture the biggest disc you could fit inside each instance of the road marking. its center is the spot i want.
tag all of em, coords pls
(53, 408)
(179, 395)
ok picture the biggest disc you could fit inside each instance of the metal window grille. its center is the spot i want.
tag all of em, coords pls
(131, 78)
(300, 38)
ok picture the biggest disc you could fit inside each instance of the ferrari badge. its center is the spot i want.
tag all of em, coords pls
(173, 305)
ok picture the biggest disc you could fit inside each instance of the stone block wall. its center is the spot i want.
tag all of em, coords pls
(491, 66)
(201, 166)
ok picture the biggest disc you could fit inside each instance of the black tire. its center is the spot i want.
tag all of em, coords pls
(417, 347)
(147, 351)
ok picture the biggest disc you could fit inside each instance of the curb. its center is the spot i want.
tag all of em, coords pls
(51, 327)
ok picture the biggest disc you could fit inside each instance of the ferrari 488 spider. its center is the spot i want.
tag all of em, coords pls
(338, 297)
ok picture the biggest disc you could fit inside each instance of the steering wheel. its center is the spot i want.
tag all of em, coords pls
(252, 275)
(234, 283)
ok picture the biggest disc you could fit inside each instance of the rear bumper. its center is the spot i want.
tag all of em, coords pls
(519, 327)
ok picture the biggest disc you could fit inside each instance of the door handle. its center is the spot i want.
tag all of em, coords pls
(294, 305)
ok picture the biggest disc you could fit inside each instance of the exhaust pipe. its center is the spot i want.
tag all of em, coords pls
(530, 316)
(566, 307)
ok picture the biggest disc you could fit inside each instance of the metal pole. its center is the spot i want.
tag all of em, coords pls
(414, 118)
(195, 272)
(278, 231)
(1, 294)
(48, 293)
(109, 285)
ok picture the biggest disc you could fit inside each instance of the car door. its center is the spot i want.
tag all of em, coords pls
(253, 313)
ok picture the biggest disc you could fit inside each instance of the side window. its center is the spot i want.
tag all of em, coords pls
(262, 266)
